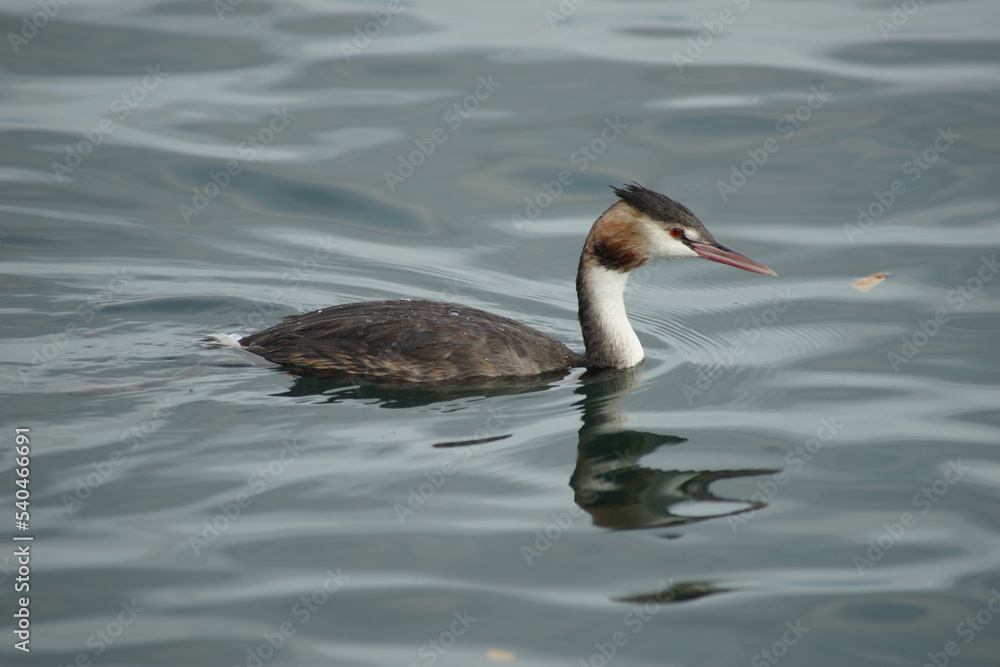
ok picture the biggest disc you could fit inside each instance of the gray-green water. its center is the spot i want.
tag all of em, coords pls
(799, 474)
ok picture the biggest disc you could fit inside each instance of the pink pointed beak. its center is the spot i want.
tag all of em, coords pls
(723, 255)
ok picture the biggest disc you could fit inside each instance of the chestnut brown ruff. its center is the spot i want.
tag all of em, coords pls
(409, 341)
(620, 246)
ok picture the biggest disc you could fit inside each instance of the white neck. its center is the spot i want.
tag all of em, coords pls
(609, 339)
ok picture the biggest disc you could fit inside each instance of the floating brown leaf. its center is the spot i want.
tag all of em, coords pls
(500, 655)
(868, 282)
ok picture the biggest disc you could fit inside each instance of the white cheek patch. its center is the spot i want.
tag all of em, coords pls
(661, 245)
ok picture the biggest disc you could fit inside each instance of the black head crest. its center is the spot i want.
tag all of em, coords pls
(655, 205)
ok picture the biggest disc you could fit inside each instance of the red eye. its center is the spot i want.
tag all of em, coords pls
(677, 232)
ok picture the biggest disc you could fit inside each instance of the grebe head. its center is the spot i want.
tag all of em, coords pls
(645, 225)
(642, 226)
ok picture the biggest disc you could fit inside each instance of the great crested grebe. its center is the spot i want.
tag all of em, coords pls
(432, 341)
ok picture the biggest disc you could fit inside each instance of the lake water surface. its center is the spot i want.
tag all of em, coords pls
(800, 473)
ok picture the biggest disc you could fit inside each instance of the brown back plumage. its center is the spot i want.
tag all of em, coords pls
(409, 341)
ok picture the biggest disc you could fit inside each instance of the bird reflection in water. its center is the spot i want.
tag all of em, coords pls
(619, 493)
(610, 484)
